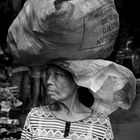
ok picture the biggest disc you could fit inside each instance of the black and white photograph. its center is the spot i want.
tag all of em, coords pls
(69, 70)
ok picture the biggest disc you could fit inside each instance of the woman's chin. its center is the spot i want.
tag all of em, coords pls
(53, 98)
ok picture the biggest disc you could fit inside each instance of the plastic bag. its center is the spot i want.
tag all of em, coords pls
(111, 84)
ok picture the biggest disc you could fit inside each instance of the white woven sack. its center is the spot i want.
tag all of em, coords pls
(72, 29)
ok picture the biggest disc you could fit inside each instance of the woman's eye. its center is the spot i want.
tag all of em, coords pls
(59, 74)
(47, 74)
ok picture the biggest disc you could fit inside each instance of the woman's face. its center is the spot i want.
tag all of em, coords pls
(60, 84)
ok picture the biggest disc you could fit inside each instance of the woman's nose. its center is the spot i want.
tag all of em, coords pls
(50, 80)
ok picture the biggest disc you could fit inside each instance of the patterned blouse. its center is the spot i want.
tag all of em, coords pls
(41, 124)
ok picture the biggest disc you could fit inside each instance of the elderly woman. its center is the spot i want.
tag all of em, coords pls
(65, 116)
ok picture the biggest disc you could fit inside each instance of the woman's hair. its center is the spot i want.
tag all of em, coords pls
(85, 96)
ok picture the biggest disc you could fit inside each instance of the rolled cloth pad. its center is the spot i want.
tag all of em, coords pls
(112, 85)
(72, 29)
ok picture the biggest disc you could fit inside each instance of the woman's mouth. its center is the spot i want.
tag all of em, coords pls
(51, 91)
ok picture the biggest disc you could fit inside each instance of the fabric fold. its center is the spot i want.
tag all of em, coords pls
(111, 84)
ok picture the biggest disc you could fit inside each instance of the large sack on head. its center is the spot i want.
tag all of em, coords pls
(111, 84)
(72, 29)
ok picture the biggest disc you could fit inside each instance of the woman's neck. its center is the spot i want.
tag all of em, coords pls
(71, 103)
(71, 109)
(75, 114)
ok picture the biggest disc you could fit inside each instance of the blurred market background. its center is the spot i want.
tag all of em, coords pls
(15, 77)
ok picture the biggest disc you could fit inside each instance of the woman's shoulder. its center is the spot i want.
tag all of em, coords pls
(40, 111)
(102, 124)
(100, 118)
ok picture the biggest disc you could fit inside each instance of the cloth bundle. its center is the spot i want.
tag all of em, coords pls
(112, 85)
(71, 29)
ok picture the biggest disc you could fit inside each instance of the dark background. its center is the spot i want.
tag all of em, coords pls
(129, 16)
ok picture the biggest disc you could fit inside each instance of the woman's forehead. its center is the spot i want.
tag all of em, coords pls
(54, 68)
